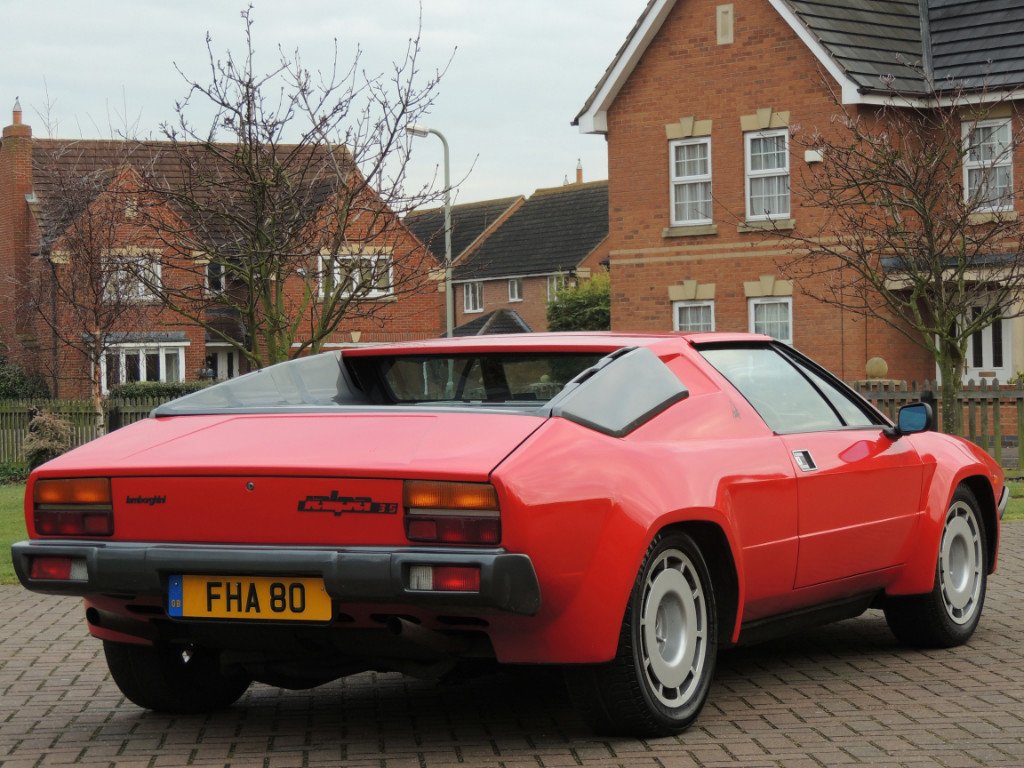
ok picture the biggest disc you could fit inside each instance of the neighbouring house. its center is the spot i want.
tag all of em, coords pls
(556, 235)
(471, 224)
(698, 108)
(150, 342)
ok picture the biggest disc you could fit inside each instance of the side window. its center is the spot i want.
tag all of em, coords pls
(783, 397)
(849, 410)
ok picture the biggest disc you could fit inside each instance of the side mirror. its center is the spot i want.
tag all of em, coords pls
(916, 417)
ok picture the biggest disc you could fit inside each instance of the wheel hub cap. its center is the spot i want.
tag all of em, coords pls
(673, 631)
(960, 563)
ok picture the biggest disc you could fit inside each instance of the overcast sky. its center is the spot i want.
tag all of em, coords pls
(520, 70)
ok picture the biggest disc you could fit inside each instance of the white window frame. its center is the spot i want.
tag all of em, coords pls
(473, 297)
(515, 289)
(692, 304)
(228, 359)
(1003, 160)
(330, 264)
(123, 282)
(684, 180)
(207, 284)
(749, 174)
(764, 300)
(555, 284)
(140, 350)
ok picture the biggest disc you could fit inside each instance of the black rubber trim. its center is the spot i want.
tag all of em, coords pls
(508, 581)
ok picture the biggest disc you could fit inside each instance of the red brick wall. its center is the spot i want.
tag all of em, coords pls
(533, 308)
(686, 73)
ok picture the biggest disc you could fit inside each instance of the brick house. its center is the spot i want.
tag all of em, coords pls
(150, 342)
(558, 234)
(698, 108)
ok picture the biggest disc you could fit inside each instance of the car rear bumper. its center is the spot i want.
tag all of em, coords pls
(508, 582)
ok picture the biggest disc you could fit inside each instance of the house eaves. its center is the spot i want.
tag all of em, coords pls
(873, 63)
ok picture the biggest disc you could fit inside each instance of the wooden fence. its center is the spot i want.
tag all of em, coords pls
(15, 416)
(992, 415)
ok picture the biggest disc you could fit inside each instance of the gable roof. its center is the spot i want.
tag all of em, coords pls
(498, 321)
(82, 169)
(552, 232)
(871, 47)
(469, 222)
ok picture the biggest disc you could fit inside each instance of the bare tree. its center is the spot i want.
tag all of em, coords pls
(918, 227)
(83, 287)
(286, 207)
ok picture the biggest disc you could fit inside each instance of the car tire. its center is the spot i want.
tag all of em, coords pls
(173, 678)
(659, 679)
(948, 615)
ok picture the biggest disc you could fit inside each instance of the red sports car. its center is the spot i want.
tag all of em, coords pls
(622, 505)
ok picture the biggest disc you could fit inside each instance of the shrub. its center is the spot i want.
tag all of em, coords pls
(586, 307)
(12, 472)
(17, 384)
(49, 435)
(164, 390)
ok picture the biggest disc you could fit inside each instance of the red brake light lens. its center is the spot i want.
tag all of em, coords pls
(56, 568)
(444, 578)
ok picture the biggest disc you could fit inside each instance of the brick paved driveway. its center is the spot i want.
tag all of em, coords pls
(841, 695)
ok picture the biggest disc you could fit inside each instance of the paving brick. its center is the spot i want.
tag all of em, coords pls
(845, 694)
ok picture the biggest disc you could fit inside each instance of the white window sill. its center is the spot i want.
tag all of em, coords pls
(766, 225)
(690, 230)
(990, 217)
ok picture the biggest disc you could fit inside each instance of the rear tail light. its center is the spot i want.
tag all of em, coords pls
(58, 568)
(451, 513)
(73, 507)
(444, 578)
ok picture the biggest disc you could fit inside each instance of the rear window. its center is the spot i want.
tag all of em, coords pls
(521, 379)
(487, 378)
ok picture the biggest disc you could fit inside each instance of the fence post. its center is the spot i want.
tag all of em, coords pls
(1020, 432)
(997, 424)
(927, 396)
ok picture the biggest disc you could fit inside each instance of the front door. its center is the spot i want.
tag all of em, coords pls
(858, 491)
(859, 494)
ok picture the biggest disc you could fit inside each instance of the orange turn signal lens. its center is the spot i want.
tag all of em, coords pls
(76, 490)
(433, 494)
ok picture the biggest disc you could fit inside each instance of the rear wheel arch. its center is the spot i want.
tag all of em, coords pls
(714, 545)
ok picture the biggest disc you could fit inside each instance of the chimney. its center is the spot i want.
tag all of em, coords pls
(17, 129)
(579, 171)
(15, 184)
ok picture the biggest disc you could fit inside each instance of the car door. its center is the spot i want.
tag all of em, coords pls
(858, 489)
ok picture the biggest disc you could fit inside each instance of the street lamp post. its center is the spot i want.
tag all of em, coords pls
(449, 302)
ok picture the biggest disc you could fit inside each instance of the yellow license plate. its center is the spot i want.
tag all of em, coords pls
(264, 598)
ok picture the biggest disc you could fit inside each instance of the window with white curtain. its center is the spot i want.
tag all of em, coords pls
(690, 174)
(693, 316)
(772, 316)
(766, 159)
(473, 297)
(988, 165)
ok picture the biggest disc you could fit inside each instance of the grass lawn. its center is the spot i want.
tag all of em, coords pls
(12, 521)
(1015, 508)
(12, 528)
